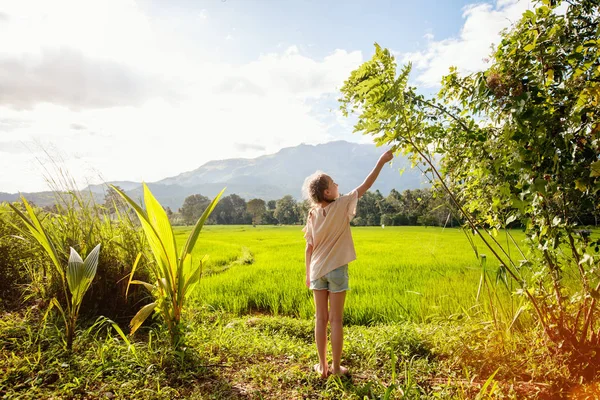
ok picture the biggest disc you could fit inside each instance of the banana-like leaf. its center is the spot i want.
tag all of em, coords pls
(160, 222)
(135, 263)
(80, 274)
(151, 288)
(191, 243)
(37, 231)
(74, 275)
(141, 316)
(156, 245)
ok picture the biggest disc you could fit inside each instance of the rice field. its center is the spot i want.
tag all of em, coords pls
(401, 273)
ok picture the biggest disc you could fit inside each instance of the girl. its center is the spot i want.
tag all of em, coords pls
(329, 249)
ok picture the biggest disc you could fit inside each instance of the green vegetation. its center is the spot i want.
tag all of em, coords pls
(424, 207)
(516, 142)
(258, 356)
(483, 312)
(77, 276)
(175, 273)
(402, 273)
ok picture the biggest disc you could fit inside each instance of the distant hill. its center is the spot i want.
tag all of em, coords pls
(270, 177)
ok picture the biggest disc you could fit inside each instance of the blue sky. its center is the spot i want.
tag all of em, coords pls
(143, 90)
(318, 27)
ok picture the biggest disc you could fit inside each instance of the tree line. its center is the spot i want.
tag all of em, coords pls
(410, 207)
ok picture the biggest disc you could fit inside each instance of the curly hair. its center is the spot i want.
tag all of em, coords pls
(314, 187)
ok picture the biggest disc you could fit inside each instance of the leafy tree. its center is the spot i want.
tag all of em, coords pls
(271, 205)
(193, 207)
(231, 210)
(368, 208)
(518, 141)
(269, 218)
(286, 211)
(256, 208)
(302, 209)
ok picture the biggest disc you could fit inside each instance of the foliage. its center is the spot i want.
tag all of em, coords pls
(79, 274)
(517, 141)
(193, 207)
(175, 274)
(76, 222)
(286, 211)
(270, 357)
(13, 254)
(256, 208)
(411, 207)
(231, 210)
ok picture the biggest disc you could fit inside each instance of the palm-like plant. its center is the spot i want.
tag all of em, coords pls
(175, 274)
(79, 274)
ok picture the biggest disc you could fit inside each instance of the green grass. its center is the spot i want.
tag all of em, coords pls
(403, 335)
(401, 273)
(265, 357)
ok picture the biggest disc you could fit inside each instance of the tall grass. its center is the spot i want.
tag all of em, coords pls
(401, 273)
(77, 221)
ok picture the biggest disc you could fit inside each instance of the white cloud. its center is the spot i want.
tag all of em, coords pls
(67, 77)
(481, 29)
(291, 73)
(95, 85)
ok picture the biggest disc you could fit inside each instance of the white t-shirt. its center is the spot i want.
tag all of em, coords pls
(328, 230)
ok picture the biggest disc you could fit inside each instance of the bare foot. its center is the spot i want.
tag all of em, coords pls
(318, 370)
(340, 372)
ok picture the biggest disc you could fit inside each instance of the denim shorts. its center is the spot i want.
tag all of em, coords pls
(334, 281)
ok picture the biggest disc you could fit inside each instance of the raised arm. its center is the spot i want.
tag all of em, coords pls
(385, 157)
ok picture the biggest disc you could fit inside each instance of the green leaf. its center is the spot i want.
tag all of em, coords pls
(580, 185)
(483, 390)
(194, 276)
(80, 274)
(135, 264)
(595, 169)
(59, 308)
(141, 316)
(74, 274)
(529, 47)
(156, 245)
(160, 222)
(122, 334)
(37, 231)
(151, 288)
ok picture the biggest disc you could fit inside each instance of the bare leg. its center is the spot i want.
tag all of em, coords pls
(336, 314)
(321, 300)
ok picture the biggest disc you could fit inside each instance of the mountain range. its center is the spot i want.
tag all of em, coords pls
(268, 177)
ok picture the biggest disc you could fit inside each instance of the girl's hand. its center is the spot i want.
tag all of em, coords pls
(307, 282)
(387, 156)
